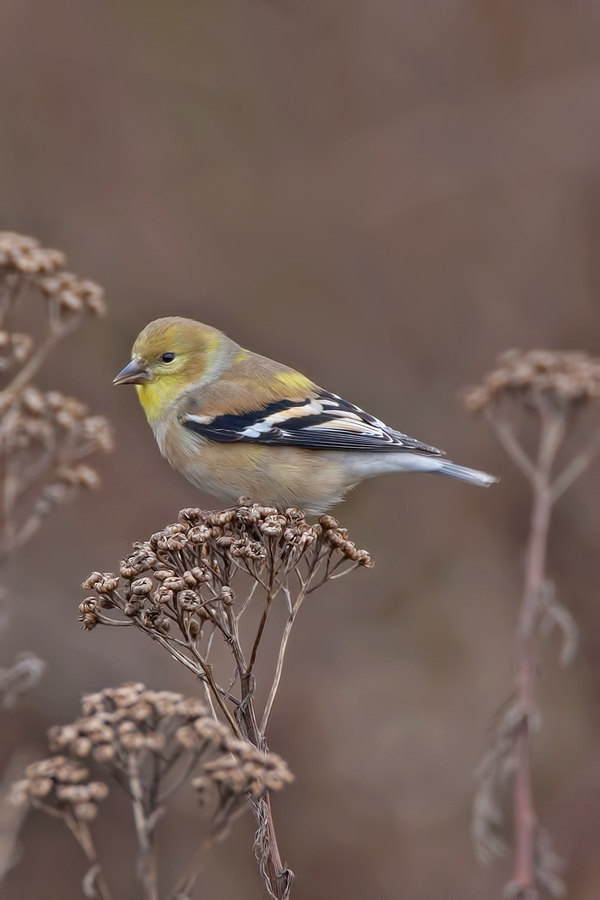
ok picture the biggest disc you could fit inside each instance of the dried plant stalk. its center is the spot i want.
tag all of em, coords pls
(554, 387)
(44, 437)
(149, 743)
(61, 788)
(226, 576)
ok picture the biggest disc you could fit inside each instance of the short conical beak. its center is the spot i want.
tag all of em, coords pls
(135, 372)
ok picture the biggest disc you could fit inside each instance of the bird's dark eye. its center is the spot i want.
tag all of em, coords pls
(168, 357)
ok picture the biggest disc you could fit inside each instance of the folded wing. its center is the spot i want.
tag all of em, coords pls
(321, 422)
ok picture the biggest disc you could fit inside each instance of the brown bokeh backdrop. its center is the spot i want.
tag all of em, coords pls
(384, 195)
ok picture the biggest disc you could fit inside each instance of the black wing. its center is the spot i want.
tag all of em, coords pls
(322, 422)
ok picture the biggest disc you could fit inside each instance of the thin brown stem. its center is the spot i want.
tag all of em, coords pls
(506, 436)
(146, 857)
(277, 877)
(576, 467)
(221, 827)
(10, 288)
(83, 836)
(208, 677)
(532, 605)
(280, 659)
(26, 373)
(205, 673)
(263, 620)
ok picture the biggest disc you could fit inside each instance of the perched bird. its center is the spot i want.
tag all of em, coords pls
(239, 424)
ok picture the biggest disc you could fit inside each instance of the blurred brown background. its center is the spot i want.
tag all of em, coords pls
(385, 195)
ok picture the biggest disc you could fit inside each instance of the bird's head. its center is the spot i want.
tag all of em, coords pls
(169, 356)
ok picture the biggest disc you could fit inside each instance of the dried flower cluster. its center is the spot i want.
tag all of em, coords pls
(43, 436)
(150, 743)
(179, 585)
(60, 786)
(188, 567)
(24, 260)
(214, 578)
(558, 377)
(160, 727)
(22, 254)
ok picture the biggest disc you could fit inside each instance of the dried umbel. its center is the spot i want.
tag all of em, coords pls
(554, 377)
(554, 386)
(166, 731)
(24, 255)
(180, 585)
(43, 436)
(24, 261)
(60, 786)
(228, 577)
(151, 744)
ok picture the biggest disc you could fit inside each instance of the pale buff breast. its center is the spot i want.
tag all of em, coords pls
(278, 476)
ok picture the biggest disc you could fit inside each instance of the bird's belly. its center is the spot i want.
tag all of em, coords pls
(278, 476)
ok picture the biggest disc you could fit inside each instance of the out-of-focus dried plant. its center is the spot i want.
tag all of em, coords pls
(223, 579)
(151, 744)
(554, 387)
(61, 787)
(44, 437)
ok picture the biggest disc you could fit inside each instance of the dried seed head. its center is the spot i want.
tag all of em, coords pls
(104, 753)
(249, 771)
(45, 436)
(159, 586)
(187, 737)
(133, 731)
(212, 730)
(40, 787)
(201, 785)
(188, 601)
(85, 811)
(178, 587)
(155, 742)
(74, 294)
(82, 747)
(60, 785)
(132, 740)
(97, 790)
(142, 586)
(556, 377)
(25, 254)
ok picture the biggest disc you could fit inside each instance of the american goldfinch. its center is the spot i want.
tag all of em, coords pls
(239, 424)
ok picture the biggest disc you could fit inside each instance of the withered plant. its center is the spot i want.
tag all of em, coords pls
(44, 436)
(150, 743)
(231, 581)
(552, 388)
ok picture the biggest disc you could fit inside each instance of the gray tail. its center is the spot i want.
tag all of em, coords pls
(471, 476)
